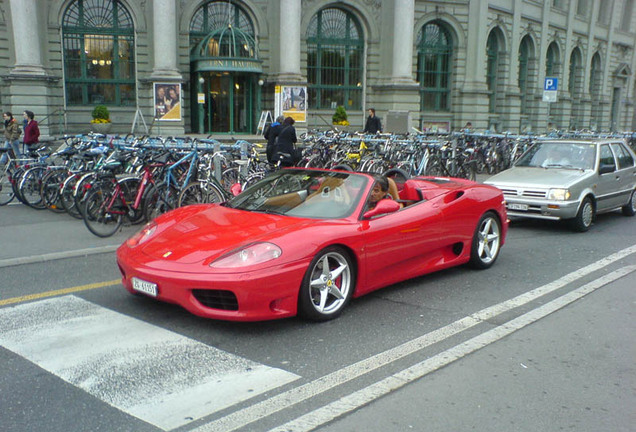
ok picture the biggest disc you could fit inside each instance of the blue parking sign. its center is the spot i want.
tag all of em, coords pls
(551, 84)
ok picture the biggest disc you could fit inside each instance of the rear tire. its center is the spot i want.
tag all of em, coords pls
(629, 209)
(486, 242)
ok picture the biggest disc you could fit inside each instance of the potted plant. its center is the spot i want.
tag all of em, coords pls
(101, 119)
(340, 116)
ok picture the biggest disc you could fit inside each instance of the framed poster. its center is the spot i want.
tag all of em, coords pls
(291, 101)
(167, 101)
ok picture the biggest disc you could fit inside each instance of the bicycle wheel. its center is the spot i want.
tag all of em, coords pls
(198, 193)
(129, 186)
(50, 191)
(229, 177)
(466, 171)
(30, 187)
(97, 216)
(67, 196)
(160, 199)
(434, 168)
(6, 188)
(16, 178)
(82, 186)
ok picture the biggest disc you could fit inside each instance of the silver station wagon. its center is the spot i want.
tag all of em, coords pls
(570, 180)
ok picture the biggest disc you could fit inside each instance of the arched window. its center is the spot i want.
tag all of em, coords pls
(217, 15)
(552, 61)
(596, 75)
(435, 48)
(575, 84)
(335, 47)
(492, 69)
(99, 59)
(525, 49)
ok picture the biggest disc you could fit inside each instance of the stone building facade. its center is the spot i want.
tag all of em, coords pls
(441, 62)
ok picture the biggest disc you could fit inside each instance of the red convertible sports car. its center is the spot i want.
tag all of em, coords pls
(303, 241)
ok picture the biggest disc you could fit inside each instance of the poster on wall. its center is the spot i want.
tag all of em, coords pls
(167, 101)
(435, 126)
(291, 101)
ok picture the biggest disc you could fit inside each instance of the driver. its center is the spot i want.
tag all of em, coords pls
(383, 188)
(557, 156)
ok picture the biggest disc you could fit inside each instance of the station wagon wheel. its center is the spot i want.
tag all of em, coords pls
(486, 242)
(327, 286)
(629, 209)
(584, 218)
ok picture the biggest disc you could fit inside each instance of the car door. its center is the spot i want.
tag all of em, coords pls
(608, 183)
(400, 245)
(626, 172)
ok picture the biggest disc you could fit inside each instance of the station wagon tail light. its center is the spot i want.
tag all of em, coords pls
(143, 235)
(255, 253)
(559, 194)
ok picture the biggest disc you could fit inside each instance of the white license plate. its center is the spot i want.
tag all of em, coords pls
(144, 287)
(523, 207)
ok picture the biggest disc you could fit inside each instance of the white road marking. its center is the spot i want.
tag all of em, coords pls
(265, 408)
(358, 399)
(154, 374)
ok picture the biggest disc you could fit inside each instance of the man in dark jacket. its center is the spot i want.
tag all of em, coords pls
(270, 135)
(286, 140)
(373, 125)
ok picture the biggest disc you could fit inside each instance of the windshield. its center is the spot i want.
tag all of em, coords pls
(304, 193)
(559, 155)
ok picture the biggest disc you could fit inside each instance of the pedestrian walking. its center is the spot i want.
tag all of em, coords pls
(373, 124)
(31, 131)
(12, 134)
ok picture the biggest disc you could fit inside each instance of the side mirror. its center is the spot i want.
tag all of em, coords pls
(606, 168)
(382, 207)
(236, 189)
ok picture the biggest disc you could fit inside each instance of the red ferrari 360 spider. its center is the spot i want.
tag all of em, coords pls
(303, 241)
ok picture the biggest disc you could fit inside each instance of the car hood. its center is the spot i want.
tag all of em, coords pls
(537, 177)
(215, 231)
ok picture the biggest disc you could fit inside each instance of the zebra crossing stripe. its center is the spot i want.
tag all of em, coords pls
(156, 375)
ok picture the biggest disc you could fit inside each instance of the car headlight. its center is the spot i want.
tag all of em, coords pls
(559, 194)
(143, 235)
(255, 253)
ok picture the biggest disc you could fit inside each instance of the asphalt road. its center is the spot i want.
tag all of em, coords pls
(541, 341)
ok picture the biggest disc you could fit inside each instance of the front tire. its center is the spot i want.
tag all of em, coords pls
(327, 286)
(486, 242)
(584, 218)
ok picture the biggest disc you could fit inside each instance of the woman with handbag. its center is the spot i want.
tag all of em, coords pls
(285, 150)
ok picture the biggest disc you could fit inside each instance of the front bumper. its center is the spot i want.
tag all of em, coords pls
(541, 208)
(265, 294)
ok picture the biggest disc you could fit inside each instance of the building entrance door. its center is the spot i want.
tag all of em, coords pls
(229, 102)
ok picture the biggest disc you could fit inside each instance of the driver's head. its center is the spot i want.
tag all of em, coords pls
(380, 188)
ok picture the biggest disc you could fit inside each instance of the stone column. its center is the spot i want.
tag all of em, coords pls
(289, 41)
(165, 39)
(26, 37)
(403, 22)
(395, 94)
